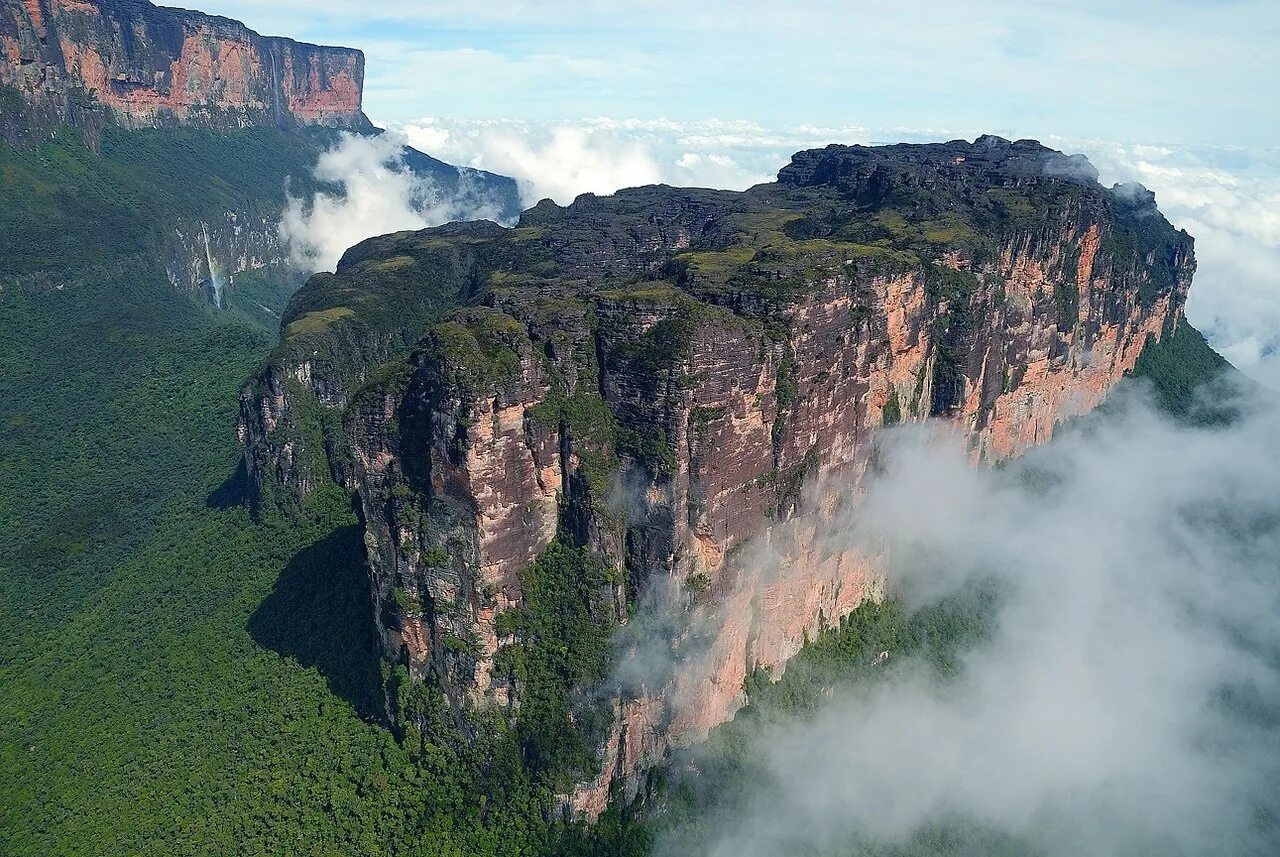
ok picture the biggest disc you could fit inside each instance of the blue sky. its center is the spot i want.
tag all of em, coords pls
(1182, 71)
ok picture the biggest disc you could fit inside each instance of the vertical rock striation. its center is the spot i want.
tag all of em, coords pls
(688, 384)
(87, 62)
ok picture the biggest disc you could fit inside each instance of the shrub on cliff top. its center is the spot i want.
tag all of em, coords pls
(478, 348)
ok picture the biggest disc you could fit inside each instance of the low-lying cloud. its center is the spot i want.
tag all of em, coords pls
(1128, 698)
(561, 160)
(379, 194)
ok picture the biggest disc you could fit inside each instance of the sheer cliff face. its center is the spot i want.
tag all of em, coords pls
(689, 382)
(82, 61)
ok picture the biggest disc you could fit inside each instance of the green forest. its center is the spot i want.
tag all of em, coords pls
(68, 207)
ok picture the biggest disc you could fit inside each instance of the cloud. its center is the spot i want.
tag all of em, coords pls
(1229, 199)
(380, 194)
(1198, 72)
(562, 159)
(1126, 701)
(560, 162)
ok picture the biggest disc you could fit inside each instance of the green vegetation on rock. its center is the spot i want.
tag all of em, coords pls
(561, 647)
(316, 322)
(892, 414)
(1181, 368)
(479, 348)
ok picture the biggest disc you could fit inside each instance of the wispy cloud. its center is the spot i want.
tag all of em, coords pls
(1119, 704)
(380, 194)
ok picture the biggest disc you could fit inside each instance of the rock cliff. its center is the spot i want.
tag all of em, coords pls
(90, 62)
(687, 385)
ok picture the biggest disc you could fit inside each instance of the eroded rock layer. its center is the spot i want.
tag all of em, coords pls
(687, 383)
(84, 62)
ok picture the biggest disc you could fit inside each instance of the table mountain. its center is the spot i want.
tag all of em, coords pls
(137, 65)
(620, 396)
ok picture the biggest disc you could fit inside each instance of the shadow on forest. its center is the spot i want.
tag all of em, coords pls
(234, 490)
(319, 614)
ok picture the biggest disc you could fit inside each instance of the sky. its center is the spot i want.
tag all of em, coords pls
(569, 97)
(1187, 71)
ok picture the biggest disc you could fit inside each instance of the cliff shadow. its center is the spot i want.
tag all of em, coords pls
(320, 615)
(234, 490)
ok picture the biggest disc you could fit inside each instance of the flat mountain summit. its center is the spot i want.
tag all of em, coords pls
(723, 361)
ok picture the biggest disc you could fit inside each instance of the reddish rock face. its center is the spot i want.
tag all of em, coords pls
(792, 579)
(152, 66)
(690, 383)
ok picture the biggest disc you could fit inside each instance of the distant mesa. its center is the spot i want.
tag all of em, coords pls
(89, 63)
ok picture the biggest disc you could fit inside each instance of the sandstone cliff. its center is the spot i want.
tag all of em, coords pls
(664, 376)
(88, 62)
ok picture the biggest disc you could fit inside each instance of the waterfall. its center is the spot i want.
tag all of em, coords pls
(275, 85)
(215, 284)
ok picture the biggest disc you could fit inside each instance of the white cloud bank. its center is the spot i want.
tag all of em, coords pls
(1127, 699)
(561, 160)
(380, 194)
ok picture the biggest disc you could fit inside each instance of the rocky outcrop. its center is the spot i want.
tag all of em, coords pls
(689, 384)
(88, 62)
